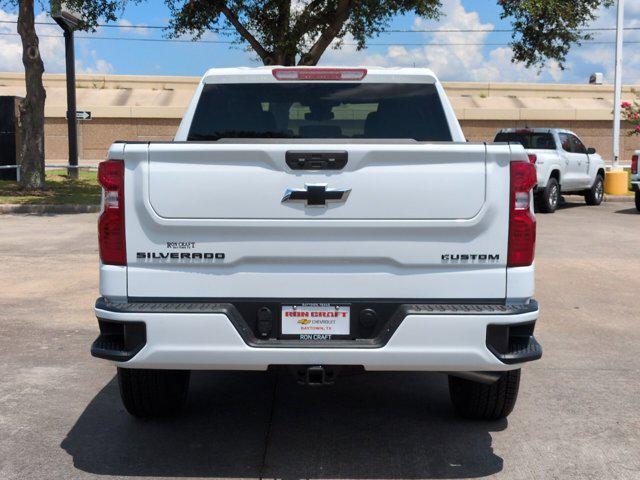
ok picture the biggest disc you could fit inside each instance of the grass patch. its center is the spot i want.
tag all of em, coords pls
(59, 190)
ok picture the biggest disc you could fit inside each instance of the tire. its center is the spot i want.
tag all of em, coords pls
(153, 393)
(480, 401)
(548, 198)
(638, 201)
(595, 194)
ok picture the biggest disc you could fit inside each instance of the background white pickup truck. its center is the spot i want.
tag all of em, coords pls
(563, 164)
(317, 218)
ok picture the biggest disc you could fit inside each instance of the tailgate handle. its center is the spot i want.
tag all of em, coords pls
(316, 160)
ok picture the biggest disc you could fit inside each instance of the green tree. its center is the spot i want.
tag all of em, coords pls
(31, 147)
(286, 32)
(546, 29)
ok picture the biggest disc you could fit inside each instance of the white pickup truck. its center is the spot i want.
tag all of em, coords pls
(563, 164)
(317, 218)
(635, 177)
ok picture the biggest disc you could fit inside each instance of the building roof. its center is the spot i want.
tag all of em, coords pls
(131, 96)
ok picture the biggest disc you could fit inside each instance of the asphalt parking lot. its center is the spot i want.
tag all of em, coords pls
(578, 415)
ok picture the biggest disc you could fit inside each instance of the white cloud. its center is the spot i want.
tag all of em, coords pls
(467, 59)
(96, 65)
(298, 6)
(51, 44)
(127, 27)
(503, 69)
(601, 58)
(51, 48)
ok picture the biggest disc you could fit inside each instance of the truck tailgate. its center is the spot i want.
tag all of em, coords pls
(248, 182)
(418, 219)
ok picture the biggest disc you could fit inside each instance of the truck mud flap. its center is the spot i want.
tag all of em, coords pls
(119, 341)
(513, 344)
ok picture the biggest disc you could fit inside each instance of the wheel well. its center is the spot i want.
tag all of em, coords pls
(555, 174)
(600, 172)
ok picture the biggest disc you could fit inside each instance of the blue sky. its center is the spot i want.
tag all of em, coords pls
(454, 63)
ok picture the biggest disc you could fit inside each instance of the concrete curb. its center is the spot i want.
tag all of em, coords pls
(619, 198)
(45, 209)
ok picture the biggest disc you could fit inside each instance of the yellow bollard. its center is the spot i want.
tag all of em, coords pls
(616, 182)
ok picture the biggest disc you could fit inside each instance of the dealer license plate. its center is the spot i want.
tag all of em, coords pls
(316, 321)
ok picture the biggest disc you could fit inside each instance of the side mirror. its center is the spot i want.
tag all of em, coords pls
(591, 151)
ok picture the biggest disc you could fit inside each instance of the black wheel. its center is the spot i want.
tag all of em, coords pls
(481, 401)
(595, 194)
(548, 198)
(638, 201)
(153, 393)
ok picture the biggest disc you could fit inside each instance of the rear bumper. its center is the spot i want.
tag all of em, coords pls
(420, 337)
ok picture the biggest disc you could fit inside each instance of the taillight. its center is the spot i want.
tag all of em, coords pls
(522, 223)
(533, 158)
(111, 236)
(353, 74)
(634, 164)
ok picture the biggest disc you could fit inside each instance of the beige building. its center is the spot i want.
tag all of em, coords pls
(149, 108)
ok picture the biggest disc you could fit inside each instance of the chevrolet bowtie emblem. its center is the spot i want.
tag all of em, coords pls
(316, 195)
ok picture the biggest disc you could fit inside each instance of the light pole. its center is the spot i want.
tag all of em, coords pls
(69, 21)
(618, 86)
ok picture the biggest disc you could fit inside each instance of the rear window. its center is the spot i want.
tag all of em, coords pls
(320, 110)
(529, 140)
